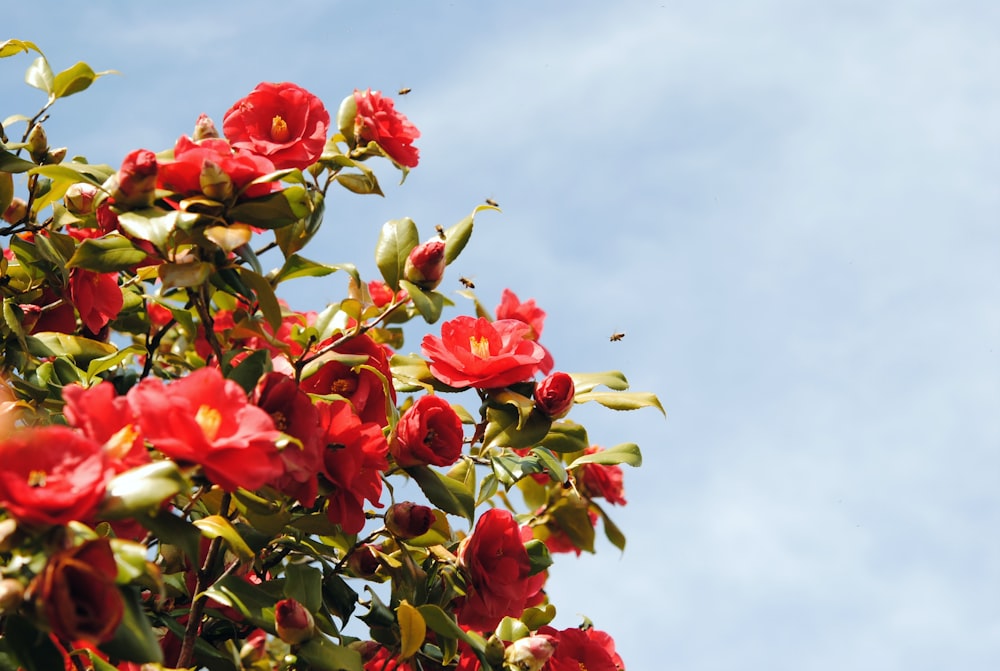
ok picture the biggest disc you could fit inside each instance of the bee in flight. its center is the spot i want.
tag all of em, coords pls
(467, 283)
(492, 203)
(440, 230)
(615, 337)
(404, 91)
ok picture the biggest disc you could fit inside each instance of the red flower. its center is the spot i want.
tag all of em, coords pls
(577, 649)
(52, 475)
(283, 122)
(378, 121)
(497, 569)
(554, 395)
(96, 296)
(205, 419)
(293, 621)
(430, 432)
(352, 463)
(106, 418)
(363, 388)
(602, 480)
(408, 519)
(136, 179)
(425, 264)
(382, 295)
(76, 592)
(293, 413)
(478, 353)
(186, 174)
(377, 658)
(511, 307)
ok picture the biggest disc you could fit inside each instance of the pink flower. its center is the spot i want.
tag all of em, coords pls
(282, 122)
(478, 353)
(205, 419)
(378, 121)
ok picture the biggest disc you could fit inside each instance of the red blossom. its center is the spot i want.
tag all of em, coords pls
(52, 475)
(363, 388)
(577, 649)
(205, 419)
(430, 432)
(282, 122)
(353, 460)
(528, 312)
(96, 296)
(478, 353)
(554, 395)
(105, 417)
(136, 180)
(184, 175)
(378, 121)
(425, 264)
(602, 480)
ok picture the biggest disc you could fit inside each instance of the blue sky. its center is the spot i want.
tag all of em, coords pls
(789, 208)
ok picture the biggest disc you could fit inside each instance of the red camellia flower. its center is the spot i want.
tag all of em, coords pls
(205, 419)
(497, 569)
(76, 592)
(382, 294)
(210, 161)
(478, 353)
(378, 121)
(293, 413)
(96, 296)
(352, 464)
(52, 475)
(293, 621)
(136, 180)
(430, 432)
(363, 388)
(106, 418)
(425, 264)
(528, 312)
(577, 649)
(283, 122)
(602, 480)
(554, 395)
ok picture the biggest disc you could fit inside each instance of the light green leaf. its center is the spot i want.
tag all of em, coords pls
(299, 266)
(75, 79)
(141, 489)
(395, 242)
(13, 47)
(566, 436)
(506, 429)
(11, 163)
(363, 184)
(154, 224)
(443, 492)
(612, 379)
(81, 350)
(322, 655)
(217, 526)
(107, 254)
(266, 299)
(622, 400)
(457, 236)
(428, 303)
(40, 75)
(625, 453)
(101, 364)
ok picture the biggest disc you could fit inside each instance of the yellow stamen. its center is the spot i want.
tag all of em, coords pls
(37, 478)
(209, 419)
(279, 129)
(480, 347)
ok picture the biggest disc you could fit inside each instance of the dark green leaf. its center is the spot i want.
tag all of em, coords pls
(29, 645)
(107, 254)
(538, 556)
(428, 303)
(566, 436)
(133, 639)
(252, 601)
(11, 163)
(443, 492)
(304, 583)
(397, 239)
(323, 655)
(266, 299)
(249, 371)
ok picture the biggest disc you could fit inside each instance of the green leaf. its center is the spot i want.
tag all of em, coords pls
(13, 47)
(538, 556)
(575, 523)
(292, 238)
(304, 583)
(64, 175)
(249, 371)
(428, 303)
(444, 624)
(396, 241)
(505, 428)
(299, 266)
(29, 645)
(81, 350)
(107, 254)
(363, 184)
(536, 618)
(173, 530)
(612, 379)
(611, 530)
(552, 464)
(322, 655)
(617, 400)
(625, 453)
(217, 526)
(188, 274)
(75, 79)
(101, 364)
(566, 436)
(141, 489)
(447, 494)
(274, 210)
(11, 163)
(154, 224)
(134, 640)
(40, 75)
(266, 299)
(252, 601)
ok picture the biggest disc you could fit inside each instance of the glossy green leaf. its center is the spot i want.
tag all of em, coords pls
(304, 583)
(363, 183)
(74, 79)
(274, 210)
(397, 239)
(443, 492)
(444, 624)
(134, 640)
(298, 266)
(428, 303)
(267, 301)
(538, 556)
(64, 175)
(217, 526)
(625, 453)
(154, 224)
(252, 601)
(40, 75)
(107, 254)
(552, 464)
(612, 379)
(141, 489)
(29, 645)
(173, 530)
(619, 400)
(12, 163)
(249, 371)
(566, 436)
(457, 237)
(81, 350)
(14, 47)
(505, 428)
(323, 655)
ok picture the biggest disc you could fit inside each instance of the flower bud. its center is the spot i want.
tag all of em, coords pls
(425, 264)
(364, 562)
(214, 181)
(530, 653)
(293, 622)
(408, 520)
(16, 211)
(136, 180)
(204, 128)
(79, 198)
(11, 595)
(55, 156)
(38, 144)
(554, 395)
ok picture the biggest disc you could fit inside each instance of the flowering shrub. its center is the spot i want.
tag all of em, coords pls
(195, 475)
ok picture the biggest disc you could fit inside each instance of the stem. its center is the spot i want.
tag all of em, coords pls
(361, 329)
(201, 304)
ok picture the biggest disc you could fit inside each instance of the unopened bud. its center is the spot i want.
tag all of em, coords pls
(38, 144)
(55, 156)
(425, 264)
(408, 520)
(214, 181)
(136, 179)
(364, 562)
(293, 622)
(554, 395)
(530, 653)
(79, 198)
(16, 211)
(204, 129)
(11, 595)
